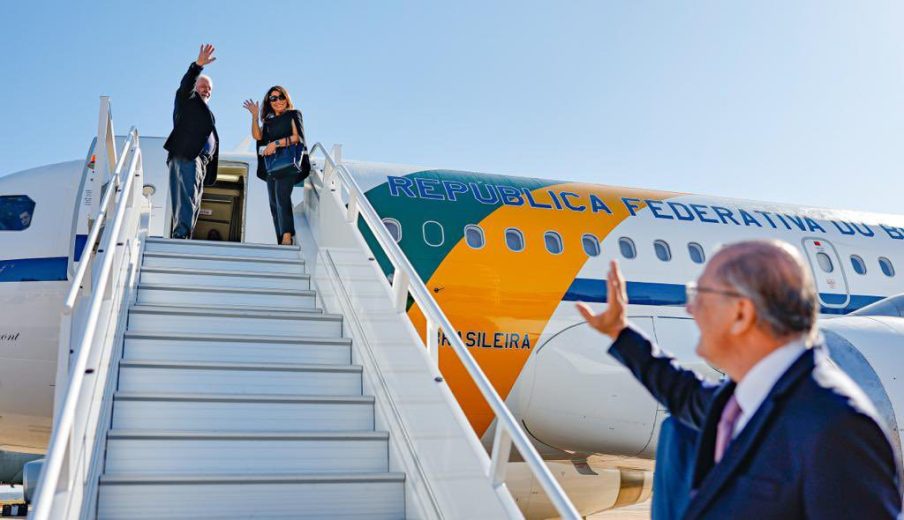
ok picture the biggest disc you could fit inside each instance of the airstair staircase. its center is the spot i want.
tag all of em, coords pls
(233, 380)
(237, 396)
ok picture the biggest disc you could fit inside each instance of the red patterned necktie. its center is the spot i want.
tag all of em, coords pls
(724, 431)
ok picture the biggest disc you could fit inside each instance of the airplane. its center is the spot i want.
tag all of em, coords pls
(506, 258)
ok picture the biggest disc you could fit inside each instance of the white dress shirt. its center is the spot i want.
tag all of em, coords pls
(758, 382)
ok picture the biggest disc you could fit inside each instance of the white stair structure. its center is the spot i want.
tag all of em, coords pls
(202, 433)
(227, 380)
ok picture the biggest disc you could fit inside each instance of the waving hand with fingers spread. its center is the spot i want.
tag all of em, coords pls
(614, 319)
(205, 55)
(255, 109)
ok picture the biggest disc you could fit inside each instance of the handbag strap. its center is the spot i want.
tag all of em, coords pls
(304, 146)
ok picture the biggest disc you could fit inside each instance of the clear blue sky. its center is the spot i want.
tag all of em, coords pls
(797, 102)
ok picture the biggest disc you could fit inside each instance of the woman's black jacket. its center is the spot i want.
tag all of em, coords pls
(279, 127)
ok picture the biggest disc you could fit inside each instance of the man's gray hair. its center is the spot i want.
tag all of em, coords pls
(203, 76)
(774, 276)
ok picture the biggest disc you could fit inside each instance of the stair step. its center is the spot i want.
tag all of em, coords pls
(205, 247)
(225, 263)
(174, 319)
(239, 378)
(200, 277)
(374, 496)
(215, 297)
(180, 453)
(236, 413)
(236, 348)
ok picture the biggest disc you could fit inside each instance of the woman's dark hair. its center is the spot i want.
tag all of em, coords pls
(266, 109)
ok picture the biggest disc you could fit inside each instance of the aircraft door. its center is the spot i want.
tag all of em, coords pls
(828, 273)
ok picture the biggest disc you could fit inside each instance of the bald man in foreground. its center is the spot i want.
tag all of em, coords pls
(788, 435)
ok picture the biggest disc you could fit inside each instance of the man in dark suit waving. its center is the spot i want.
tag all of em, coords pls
(193, 145)
(788, 435)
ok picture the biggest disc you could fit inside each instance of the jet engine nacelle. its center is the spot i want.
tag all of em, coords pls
(11, 465)
(577, 400)
(869, 349)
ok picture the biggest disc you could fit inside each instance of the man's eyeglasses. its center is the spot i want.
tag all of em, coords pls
(274, 99)
(691, 290)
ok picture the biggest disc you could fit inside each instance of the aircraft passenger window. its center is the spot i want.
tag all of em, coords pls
(887, 268)
(514, 240)
(626, 246)
(474, 236)
(663, 251)
(394, 228)
(591, 245)
(825, 263)
(553, 242)
(696, 251)
(434, 235)
(16, 212)
(858, 264)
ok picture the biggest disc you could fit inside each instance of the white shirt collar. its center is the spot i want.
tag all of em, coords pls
(758, 382)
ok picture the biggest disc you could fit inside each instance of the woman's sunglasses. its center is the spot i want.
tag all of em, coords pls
(274, 99)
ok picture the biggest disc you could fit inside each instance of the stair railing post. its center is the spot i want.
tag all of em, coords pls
(352, 214)
(108, 286)
(336, 153)
(433, 341)
(400, 290)
(502, 448)
(327, 173)
(105, 153)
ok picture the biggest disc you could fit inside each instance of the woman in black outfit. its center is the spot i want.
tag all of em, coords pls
(282, 126)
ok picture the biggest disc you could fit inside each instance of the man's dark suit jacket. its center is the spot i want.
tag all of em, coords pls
(193, 123)
(814, 448)
(674, 465)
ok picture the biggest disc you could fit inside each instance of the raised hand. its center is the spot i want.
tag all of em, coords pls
(252, 106)
(614, 319)
(205, 55)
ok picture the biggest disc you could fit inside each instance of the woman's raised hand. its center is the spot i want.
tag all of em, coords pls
(252, 106)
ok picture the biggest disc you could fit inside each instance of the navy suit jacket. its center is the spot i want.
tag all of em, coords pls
(674, 466)
(814, 448)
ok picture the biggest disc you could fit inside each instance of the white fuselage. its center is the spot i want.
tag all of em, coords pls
(565, 351)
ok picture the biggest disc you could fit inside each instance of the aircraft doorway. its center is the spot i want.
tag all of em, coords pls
(828, 273)
(222, 214)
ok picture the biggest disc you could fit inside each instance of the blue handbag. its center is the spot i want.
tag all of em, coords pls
(287, 160)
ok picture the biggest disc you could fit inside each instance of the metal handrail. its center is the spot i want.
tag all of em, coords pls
(62, 432)
(406, 280)
(78, 202)
(94, 234)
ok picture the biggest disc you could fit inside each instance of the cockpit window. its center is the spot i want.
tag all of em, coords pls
(16, 212)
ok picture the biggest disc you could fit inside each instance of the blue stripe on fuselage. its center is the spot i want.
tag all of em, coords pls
(34, 269)
(668, 294)
(50, 269)
(80, 241)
